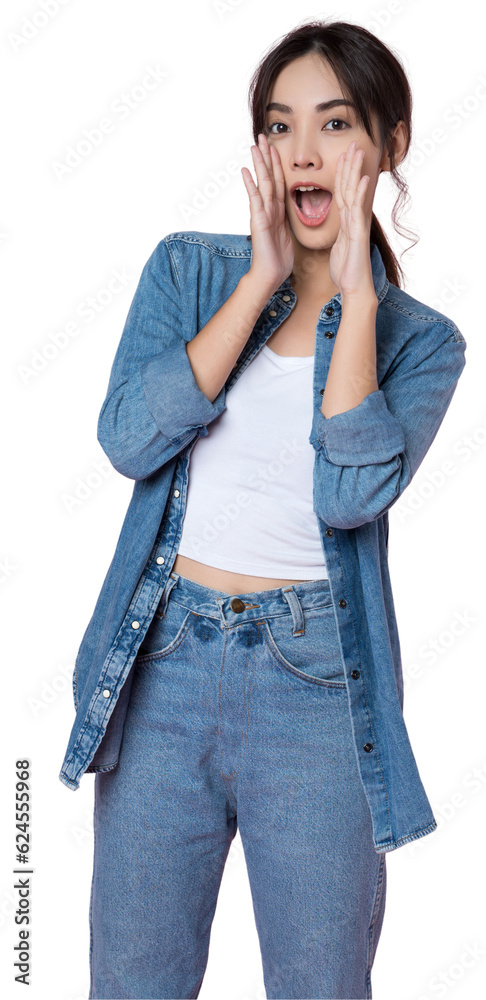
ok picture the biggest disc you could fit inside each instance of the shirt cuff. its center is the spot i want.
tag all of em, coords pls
(172, 393)
(364, 435)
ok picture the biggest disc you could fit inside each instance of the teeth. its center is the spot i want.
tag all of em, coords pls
(309, 188)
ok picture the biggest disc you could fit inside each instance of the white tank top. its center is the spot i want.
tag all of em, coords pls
(250, 486)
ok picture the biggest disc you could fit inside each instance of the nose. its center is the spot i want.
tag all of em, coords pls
(303, 156)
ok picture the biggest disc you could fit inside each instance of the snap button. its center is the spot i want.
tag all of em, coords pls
(342, 603)
(177, 493)
(329, 334)
(322, 391)
(355, 674)
(329, 311)
(329, 532)
(272, 312)
(237, 604)
(106, 693)
(135, 624)
(160, 560)
(286, 298)
(368, 747)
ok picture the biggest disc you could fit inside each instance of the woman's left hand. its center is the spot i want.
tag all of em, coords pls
(349, 260)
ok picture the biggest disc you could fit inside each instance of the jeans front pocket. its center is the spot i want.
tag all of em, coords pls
(314, 655)
(166, 631)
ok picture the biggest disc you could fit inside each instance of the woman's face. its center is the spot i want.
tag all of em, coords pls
(309, 143)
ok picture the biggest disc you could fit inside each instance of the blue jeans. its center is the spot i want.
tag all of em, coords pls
(238, 719)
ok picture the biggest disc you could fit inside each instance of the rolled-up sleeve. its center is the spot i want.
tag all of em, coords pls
(153, 406)
(367, 455)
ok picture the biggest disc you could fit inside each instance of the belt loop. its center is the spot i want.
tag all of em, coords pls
(164, 600)
(296, 609)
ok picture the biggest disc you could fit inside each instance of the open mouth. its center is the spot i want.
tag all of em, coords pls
(312, 205)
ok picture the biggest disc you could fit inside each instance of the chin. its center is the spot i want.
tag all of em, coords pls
(313, 239)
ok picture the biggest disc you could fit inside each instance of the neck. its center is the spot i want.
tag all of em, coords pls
(310, 272)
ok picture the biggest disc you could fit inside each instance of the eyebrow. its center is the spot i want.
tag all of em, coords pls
(323, 106)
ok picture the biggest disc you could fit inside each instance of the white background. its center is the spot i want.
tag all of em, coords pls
(60, 240)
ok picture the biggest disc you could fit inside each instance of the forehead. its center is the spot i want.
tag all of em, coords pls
(304, 79)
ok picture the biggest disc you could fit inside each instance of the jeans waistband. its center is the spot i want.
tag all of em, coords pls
(233, 609)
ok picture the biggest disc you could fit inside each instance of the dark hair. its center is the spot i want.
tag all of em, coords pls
(370, 75)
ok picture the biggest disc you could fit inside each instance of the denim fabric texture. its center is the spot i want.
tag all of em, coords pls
(238, 720)
(154, 413)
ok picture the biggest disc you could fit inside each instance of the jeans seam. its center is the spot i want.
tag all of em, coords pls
(91, 937)
(244, 731)
(378, 898)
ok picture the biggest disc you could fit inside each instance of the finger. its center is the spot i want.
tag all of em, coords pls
(361, 196)
(278, 174)
(264, 147)
(253, 192)
(354, 175)
(355, 169)
(337, 183)
(348, 161)
(264, 181)
(346, 168)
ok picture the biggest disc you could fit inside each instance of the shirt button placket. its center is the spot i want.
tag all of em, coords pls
(328, 311)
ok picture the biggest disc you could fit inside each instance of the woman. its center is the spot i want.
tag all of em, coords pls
(242, 666)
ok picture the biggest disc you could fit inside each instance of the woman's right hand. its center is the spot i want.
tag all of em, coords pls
(273, 250)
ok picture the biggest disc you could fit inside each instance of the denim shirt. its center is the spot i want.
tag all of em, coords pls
(153, 414)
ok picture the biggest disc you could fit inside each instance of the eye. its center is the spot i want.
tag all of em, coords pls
(274, 127)
(269, 128)
(341, 122)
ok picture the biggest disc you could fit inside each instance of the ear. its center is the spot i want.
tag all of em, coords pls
(399, 144)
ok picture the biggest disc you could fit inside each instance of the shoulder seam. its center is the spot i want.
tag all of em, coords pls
(208, 245)
(428, 318)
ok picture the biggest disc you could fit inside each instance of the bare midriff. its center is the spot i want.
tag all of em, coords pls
(224, 579)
